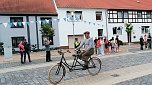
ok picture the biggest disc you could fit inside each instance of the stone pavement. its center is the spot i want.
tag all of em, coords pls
(36, 74)
(39, 57)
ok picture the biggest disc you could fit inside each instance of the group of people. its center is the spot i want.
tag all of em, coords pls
(146, 41)
(104, 45)
(24, 48)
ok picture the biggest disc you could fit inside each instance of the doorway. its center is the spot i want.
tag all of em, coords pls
(71, 39)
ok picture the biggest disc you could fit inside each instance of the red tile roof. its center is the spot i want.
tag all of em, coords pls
(27, 7)
(108, 4)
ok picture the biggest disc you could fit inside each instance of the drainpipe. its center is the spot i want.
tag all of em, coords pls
(28, 30)
(37, 33)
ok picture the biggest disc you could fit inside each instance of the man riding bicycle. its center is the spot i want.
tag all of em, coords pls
(88, 44)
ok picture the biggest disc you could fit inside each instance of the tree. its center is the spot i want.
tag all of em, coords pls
(129, 29)
(47, 30)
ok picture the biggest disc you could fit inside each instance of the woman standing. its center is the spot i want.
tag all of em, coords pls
(102, 46)
(107, 46)
(145, 41)
(21, 50)
(47, 47)
(98, 47)
(141, 43)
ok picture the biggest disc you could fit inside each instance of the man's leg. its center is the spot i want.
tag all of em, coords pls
(28, 53)
(24, 56)
(86, 56)
(21, 57)
(46, 56)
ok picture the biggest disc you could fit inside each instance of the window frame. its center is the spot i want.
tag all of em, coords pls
(16, 41)
(99, 13)
(133, 16)
(68, 14)
(15, 20)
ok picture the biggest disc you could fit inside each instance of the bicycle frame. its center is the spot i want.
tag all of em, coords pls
(74, 64)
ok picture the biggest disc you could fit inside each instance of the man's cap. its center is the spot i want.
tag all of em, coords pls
(87, 32)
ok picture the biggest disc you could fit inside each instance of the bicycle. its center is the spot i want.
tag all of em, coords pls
(57, 72)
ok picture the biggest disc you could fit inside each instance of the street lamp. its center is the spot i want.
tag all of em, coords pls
(72, 13)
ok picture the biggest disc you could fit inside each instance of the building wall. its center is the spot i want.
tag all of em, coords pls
(136, 31)
(7, 33)
(89, 15)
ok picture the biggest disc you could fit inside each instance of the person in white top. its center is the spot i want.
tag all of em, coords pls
(145, 41)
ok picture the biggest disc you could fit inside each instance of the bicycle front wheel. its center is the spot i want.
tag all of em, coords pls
(94, 66)
(56, 74)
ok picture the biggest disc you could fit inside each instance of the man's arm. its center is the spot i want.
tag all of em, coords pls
(81, 44)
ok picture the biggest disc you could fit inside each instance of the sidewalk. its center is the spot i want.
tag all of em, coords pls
(41, 55)
(113, 77)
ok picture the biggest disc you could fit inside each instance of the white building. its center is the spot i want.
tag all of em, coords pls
(103, 18)
(100, 17)
(27, 15)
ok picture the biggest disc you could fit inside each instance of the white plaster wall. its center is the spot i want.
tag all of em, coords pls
(89, 15)
(136, 30)
(7, 33)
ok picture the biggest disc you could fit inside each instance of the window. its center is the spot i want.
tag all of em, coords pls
(114, 30)
(49, 38)
(126, 15)
(99, 16)
(145, 29)
(120, 14)
(117, 30)
(100, 32)
(18, 20)
(45, 19)
(132, 16)
(139, 14)
(16, 41)
(77, 16)
(148, 14)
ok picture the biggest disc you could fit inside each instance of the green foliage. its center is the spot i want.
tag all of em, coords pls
(47, 30)
(129, 27)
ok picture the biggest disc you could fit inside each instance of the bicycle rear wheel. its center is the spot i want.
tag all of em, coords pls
(56, 74)
(94, 66)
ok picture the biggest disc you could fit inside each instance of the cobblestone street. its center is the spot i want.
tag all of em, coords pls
(38, 76)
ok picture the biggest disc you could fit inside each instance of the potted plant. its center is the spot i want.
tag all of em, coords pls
(129, 29)
(47, 30)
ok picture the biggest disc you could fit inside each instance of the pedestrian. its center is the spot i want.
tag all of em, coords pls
(98, 47)
(76, 43)
(95, 44)
(112, 41)
(141, 43)
(47, 48)
(149, 41)
(107, 46)
(116, 47)
(145, 41)
(21, 50)
(118, 42)
(102, 45)
(27, 50)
